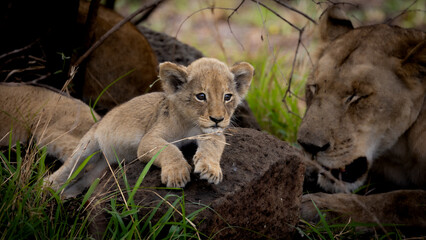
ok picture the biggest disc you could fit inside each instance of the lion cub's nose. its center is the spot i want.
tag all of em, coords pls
(312, 148)
(216, 120)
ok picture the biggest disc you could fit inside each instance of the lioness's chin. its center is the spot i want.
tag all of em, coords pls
(340, 186)
(346, 178)
(210, 130)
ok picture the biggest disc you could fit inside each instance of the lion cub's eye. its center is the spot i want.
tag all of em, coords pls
(227, 97)
(201, 97)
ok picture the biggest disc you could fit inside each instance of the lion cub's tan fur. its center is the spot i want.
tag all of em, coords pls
(198, 99)
(55, 120)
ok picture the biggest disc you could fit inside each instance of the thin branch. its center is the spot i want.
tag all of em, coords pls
(23, 70)
(107, 34)
(290, 79)
(200, 10)
(18, 50)
(295, 10)
(229, 23)
(388, 21)
(148, 13)
(307, 52)
(276, 14)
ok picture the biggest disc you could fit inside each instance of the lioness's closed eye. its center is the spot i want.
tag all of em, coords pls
(198, 99)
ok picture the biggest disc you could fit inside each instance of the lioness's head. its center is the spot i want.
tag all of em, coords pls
(207, 91)
(366, 89)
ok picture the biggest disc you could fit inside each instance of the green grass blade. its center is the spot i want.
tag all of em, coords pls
(18, 162)
(92, 111)
(105, 89)
(82, 165)
(323, 221)
(314, 229)
(90, 192)
(143, 174)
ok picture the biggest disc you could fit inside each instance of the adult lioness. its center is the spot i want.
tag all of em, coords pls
(55, 120)
(198, 99)
(366, 104)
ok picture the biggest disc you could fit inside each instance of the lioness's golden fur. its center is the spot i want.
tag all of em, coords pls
(198, 99)
(366, 104)
(124, 51)
(55, 120)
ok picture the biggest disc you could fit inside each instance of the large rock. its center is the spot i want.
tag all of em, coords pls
(260, 193)
(168, 48)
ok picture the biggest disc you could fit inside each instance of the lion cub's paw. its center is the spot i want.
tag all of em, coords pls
(208, 169)
(176, 174)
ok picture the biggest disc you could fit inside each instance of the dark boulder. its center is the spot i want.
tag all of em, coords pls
(168, 48)
(260, 194)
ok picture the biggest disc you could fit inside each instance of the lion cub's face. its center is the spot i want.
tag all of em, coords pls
(206, 92)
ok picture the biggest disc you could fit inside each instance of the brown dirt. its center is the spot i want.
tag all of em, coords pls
(260, 192)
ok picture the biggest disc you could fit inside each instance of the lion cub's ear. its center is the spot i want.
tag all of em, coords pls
(333, 23)
(243, 73)
(173, 76)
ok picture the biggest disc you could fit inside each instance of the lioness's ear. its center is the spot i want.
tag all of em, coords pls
(414, 64)
(172, 76)
(243, 73)
(333, 23)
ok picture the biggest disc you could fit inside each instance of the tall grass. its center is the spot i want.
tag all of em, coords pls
(27, 211)
(30, 211)
(265, 97)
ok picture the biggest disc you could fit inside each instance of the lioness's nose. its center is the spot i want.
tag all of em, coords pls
(312, 148)
(216, 120)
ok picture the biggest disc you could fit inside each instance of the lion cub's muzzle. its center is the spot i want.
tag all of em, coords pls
(216, 125)
(216, 121)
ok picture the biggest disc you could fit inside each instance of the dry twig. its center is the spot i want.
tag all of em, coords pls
(107, 34)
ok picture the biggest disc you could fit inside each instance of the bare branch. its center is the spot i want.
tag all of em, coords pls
(148, 13)
(295, 10)
(276, 14)
(200, 10)
(229, 23)
(18, 50)
(390, 20)
(107, 34)
(290, 79)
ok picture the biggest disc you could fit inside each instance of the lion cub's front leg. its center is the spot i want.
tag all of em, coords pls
(175, 170)
(207, 157)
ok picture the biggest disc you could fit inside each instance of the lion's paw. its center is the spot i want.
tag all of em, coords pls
(208, 169)
(176, 174)
(50, 182)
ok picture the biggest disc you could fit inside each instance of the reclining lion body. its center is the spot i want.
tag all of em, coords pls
(55, 120)
(366, 104)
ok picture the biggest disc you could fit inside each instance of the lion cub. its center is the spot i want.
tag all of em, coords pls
(198, 99)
